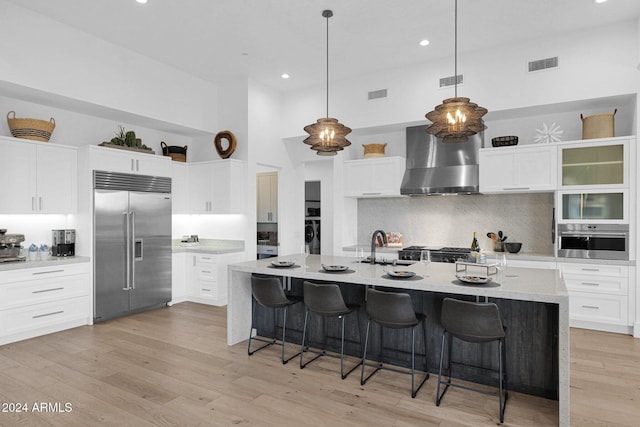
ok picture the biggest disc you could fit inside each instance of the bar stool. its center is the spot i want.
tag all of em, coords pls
(326, 300)
(473, 322)
(395, 311)
(268, 292)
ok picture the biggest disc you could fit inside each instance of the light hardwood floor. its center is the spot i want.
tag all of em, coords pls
(172, 367)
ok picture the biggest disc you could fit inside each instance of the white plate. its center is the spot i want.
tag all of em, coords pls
(334, 267)
(282, 263)
(476, 280)
(401, 274)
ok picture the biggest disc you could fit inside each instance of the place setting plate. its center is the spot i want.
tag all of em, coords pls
(401, 275)
(475, 280)
(283, 264)
(336, 269)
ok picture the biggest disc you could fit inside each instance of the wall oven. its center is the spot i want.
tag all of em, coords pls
(593, 241)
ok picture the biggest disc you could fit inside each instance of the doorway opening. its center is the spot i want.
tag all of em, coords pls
(312, 213)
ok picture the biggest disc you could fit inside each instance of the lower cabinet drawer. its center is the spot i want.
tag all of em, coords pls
(208, 289)
(597, 284)
(207, 273)
(32, 292)
(598, 307)
(23, 319)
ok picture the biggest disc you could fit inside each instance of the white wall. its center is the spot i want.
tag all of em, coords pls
(597, 62)
(42, 54)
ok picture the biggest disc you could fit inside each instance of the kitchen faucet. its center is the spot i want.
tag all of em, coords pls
(373, 243)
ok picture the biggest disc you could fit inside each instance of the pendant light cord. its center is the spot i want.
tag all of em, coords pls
(327, 16)
(455, 48)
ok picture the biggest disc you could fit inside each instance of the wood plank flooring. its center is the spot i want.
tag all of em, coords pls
(172, 367)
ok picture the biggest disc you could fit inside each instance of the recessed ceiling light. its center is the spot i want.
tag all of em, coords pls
(285, 76)
(600, 1)
(142, 1)
(424, 42)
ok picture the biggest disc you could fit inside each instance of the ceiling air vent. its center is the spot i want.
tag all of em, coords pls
(543, 64)
(377, 94)
(451, 80)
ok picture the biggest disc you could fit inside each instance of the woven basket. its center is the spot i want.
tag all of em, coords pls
(504, 141)
(34, 129)
(598, 125)
(374, 150)
(177, 154)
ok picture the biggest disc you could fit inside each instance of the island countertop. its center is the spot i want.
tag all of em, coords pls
(527, 284)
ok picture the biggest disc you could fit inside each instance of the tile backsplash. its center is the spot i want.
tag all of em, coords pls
(451, 220)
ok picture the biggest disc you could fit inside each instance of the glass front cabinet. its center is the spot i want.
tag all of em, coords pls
(594, 164)
(599, 206)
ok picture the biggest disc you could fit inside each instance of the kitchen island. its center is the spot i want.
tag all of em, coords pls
(533, 303)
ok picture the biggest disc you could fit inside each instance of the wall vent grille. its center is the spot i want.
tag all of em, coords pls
(543, 64)
(451, 80)
(377, 94)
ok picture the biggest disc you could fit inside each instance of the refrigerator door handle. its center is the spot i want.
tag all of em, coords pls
(127, 269)
(132, 258)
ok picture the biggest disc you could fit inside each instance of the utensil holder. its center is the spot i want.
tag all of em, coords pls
(498, 246)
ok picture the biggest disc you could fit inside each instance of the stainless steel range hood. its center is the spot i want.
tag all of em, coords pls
(435, 168)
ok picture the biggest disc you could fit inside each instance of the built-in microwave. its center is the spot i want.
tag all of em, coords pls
(593, 241)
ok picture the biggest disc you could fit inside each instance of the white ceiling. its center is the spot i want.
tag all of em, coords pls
(261, 39)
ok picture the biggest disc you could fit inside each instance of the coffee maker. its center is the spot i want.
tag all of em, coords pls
(64, 243)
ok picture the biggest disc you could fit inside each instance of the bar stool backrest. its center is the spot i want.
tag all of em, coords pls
(268, 291)
(391, 309)
(472, 321)
(324, 299)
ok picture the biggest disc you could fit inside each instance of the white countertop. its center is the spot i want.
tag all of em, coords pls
(51, 261)
(209, 246)
(526, 284)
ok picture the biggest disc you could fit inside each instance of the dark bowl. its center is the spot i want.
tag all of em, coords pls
(512, 247)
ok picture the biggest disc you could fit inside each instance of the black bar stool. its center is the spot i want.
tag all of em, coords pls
(268, 292)
(473, 322)
(326, 300)
(395, 311)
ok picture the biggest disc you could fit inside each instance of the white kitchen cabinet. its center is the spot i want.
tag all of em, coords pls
(601, 163)
(216, 187)
(206, 276)
(43, 300)
(598, 296)
(179, 188)
(43, 177)
(267, 197)
(516, 169)
(126, 161)
(378, 177)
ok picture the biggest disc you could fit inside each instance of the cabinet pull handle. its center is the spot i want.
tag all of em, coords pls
(33, 203)
(47, 314)
(591, 284)
(206, 290)
(591, 307)
(47, 272)
(516, 188)
(47, 290)
(137, 165)
(206, 258)
(590, 269)
(194, 261)
(206, 271)
(132, 165)
(40, 201)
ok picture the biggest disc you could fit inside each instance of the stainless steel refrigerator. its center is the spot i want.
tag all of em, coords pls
(132, 243)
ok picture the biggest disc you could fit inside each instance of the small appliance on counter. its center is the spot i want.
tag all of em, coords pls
(64, 243)
(10, 247)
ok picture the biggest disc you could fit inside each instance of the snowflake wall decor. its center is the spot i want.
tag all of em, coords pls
(548, 133)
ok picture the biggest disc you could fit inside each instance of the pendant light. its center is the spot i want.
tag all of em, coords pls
(456, 118)
(327, 135)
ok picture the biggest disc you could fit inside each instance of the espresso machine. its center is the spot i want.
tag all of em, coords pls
(10, 246)
(64, 243)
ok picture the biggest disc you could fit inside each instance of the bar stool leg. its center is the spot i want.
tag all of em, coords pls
(364, 353)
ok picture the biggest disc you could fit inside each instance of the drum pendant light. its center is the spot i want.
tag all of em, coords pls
(456, 118)
(327, 135)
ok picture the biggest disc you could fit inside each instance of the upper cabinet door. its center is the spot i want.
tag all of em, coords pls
(57, 179)
(179, 188)
(521, 169)
(378, 177)
(18, 194)
(267, 197)
(126, 161)
(603, 163)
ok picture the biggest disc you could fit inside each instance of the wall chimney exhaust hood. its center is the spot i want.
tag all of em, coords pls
(437, 168)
